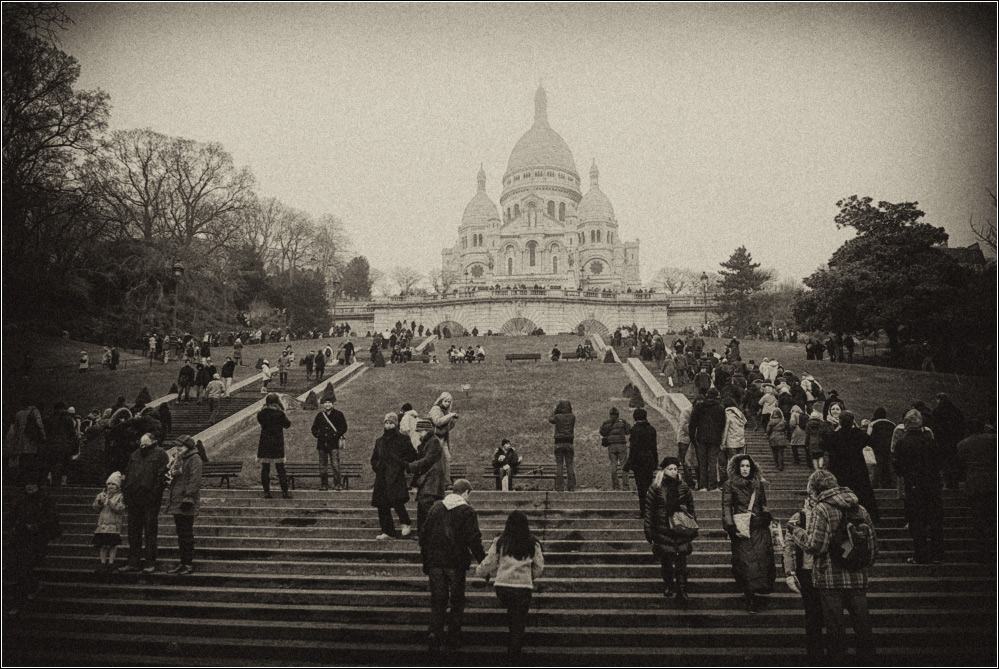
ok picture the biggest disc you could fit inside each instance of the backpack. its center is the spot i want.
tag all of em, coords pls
(817, 392)
(851, 546)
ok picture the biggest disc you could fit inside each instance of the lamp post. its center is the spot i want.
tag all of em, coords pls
(178, 273)
(335, 286)
(704, 288)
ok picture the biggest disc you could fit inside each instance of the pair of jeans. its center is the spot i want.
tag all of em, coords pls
(517, 602)
(563, 461)
(924, 511)
(618, 455)
(855, 601)
(385, 517)
(214, 404)
(423, 505)
(447, 586)
(673, 565)
(643, 479)
(185, 537)
(330, 460)
(707, 461)
(143, 519)
(813, 618)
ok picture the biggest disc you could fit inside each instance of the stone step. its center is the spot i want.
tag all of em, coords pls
(415, 581)
(477, 594)
(85, 562)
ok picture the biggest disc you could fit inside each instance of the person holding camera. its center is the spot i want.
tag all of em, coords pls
(184, 476)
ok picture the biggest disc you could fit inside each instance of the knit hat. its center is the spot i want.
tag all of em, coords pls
(669, 460)
(820, 481)
(391, 417)
(115, 478)
(640, 414)
(186, 441)
(614, 411)
(847, 420)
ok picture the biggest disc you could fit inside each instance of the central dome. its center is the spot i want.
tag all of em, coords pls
(541, 146)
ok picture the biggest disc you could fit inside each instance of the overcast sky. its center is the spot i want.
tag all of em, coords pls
(713, 126)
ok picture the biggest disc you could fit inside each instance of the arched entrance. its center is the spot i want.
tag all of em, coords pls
(452, 328)
(519, 326)
(592, 326)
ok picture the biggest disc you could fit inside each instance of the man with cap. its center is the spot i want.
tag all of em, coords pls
(614, 432)
(184, 475)
(707, 430)
(428, 475)
(328, 428)
(145, 479)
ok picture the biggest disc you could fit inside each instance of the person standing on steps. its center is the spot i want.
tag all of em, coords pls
(393, 451)
(184, 497)
(270, 448)
(145, 479)
(565, 430)
(444, 418)
(643, 456)
(428, 475)
(515, 561)
(667, 495)
(707, 430)
(614, 433)
(329, 428)
(798, 568)
(452, 540)
(752, 547)
(228, 369)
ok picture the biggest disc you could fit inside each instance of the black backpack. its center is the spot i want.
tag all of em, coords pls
(817, 392)
(851, 546)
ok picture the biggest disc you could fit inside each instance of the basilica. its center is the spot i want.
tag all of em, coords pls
(545, 232)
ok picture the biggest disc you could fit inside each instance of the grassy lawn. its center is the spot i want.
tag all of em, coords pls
(54, 376)
(506, 399)
(863, 388)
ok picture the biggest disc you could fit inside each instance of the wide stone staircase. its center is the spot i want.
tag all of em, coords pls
(304, 581)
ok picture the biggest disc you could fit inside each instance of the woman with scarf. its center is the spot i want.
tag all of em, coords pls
(393, 450)
(667, 495)
(753, 553)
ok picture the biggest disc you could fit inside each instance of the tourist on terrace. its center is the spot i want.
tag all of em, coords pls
(515, 561)
(667, 495)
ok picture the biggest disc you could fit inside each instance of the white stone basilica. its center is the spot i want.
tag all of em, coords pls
(545, 232)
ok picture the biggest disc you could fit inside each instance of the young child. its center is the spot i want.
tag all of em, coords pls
(111, 505)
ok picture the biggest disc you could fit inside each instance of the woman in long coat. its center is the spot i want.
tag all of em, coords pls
(753, 557)
(845, 448)
(667, 495)
(270, 449)
(393, 450)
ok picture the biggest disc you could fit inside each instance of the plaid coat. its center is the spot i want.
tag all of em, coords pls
(826, 518)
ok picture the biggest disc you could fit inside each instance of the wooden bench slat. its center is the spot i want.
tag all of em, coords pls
(293, 470)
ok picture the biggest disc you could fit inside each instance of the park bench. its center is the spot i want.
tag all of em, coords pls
(224, 471)
(348, 470)
(524, 471)
(523, 356)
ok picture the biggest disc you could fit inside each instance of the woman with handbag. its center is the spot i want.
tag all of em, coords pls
(670, 525)
(746, 520)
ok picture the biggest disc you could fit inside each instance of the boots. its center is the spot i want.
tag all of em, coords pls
(283, 478)
(668, 590)
(265, 481)
(751, 605)
(324, 481)
(681, 588)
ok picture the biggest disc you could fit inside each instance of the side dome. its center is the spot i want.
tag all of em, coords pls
(480, 209)
(541, 146)
(595, 207)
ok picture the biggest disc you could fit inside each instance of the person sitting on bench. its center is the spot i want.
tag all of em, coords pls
(505, 463)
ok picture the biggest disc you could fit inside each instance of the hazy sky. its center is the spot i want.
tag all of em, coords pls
(713, 126)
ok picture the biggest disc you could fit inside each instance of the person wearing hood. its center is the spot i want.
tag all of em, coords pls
(796, 425)
(734, 441)
(452, 540)
(752, 555)
(643, 455)
(565, 429)
(707, 429)
(107, 536)
(831, 399)
(184, 498)
(666, 495)
(145, 479)
(879, 434)
(777, 437)
(393, 451)
(270, 449)
(817, 431)
(918, 462)
(838, 586)
(444, 419)
(265, 375)
(845, 449)
(614, 432)
(768, 403)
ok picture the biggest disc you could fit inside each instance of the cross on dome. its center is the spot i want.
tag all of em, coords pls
(540, 106)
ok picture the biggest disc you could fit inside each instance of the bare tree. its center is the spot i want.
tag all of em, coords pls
(673, 280)
(986, 231)
(443, 279)
(406, 278)
(293, 238)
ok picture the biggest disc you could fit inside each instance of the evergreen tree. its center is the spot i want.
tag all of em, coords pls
(741, 279)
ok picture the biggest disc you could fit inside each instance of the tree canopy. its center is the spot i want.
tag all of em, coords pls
(741, 278)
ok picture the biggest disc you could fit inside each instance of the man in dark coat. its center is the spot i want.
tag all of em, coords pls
(392, 452)
(643, 455)
(428, 475)
(185, 379)
(918, 462)
(145, 479)
(452, 540)
(707, 427)
(948, 428)
(328, 428)
(62, 443)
